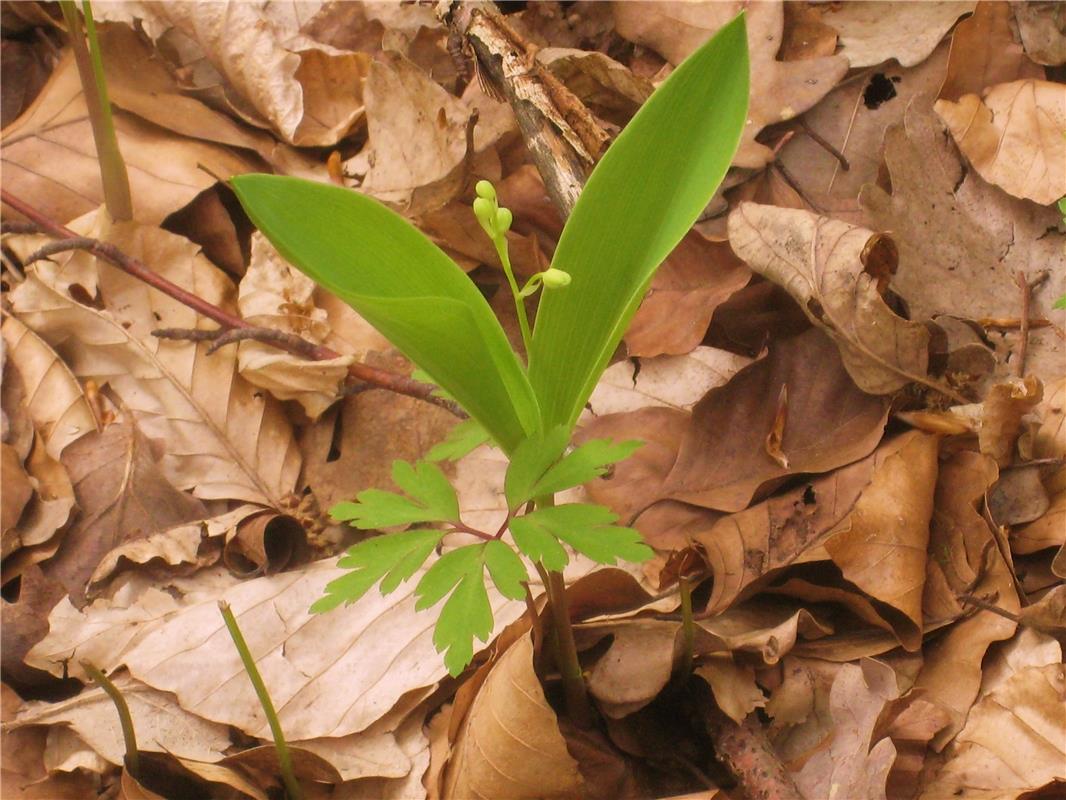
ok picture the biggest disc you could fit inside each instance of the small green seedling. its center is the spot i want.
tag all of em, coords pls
(643, 196)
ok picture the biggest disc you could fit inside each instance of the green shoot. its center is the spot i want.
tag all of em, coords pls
(288, 777)
(113, 174)
(125, 719)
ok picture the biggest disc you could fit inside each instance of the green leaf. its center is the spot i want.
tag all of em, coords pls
(405, 286)
(1061, 302)
(392, 557)
(428, 485)
(431, 499)
(585, 527)
(639, 202)
(507, 570)
(536, 542)
(466, 614)
(584, 463)
(448, 570)
(529, 462)
(461, 439)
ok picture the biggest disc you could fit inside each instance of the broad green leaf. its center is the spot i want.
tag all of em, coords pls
(529, 462)
(405, 286)
(449, 569)
(461, 439)
(394, 557)
(466, 614)
(507, 570)
(641, 199)
(425, 483)
(586, 462)
(535, 541)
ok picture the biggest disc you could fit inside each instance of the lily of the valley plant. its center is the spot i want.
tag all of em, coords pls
(643, 196)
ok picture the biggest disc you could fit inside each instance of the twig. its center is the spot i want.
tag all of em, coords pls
(108, 252)
(844, 165)
(18, 226)
(1012, 323)
(129, 734)
(985, 606)
(791, 181)
(1027, 287)
(745, 751)
(62, 246)
(288, 777)
(220, 337)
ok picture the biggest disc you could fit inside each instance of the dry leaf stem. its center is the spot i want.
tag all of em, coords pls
(129, 735)
(113, 175)
(108, 252)
(288, 777)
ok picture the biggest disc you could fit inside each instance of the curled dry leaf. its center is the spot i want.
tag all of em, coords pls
(1041, 27)
(261, 66)
(50, 161)
(636, 666)
(1049, 441)
(54, 399)
(1013, 136)
(873, 32)
(225, 440)
(274, 294)
(779, 90)
(601, 83)
(418, 135)
(984, 53)
(853, 765)
(722, 462)
(1001, 418)
(509, 744)
(123, 496)
(837, 273)
(881, 546)
(733, 685)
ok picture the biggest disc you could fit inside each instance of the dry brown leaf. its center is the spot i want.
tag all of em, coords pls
(417, 138)
(223, 439)
(694, 280)
(964, 553)
(608, 88)
(913, 721)
(852, 118)
(636, 666)
(806, 36)
(1049, 441)
(732, 684)
(853, 765)
(50, 161)
(415, 747)
(162, 725)
(881, 546)
(779, 90)
(330, 675)
(1013, 136)
(1041, 27)
(1001, 416)
(17, 493)
(722, 463)
(1018, 497)
(25, 622)
(509, 744)
(257, 61)
(1013, 741)
(837, 273)
(123, 496)
(984, 52)
(761, 629)
(873, 32)
(273, 294)
(54, 399)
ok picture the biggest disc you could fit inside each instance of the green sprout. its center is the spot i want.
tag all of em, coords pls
(643, 196)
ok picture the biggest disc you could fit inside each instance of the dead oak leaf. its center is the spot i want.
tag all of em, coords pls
(1013, 135)
(872, 32)
(780, 90)
(837, 273)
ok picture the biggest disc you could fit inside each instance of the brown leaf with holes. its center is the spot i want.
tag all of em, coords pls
(838, 274)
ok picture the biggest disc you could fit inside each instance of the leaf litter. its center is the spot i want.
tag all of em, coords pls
(849, 381)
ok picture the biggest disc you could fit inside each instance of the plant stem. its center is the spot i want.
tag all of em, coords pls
(519, 301)
(113, 176)
(129, 735)
(688, 627)
(288, 777)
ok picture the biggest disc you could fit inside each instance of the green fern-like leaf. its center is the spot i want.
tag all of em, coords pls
(429, 498)
(587, 528)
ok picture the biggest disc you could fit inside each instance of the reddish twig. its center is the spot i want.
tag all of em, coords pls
(18, 226)
(132, 266)
(817, 137)
(1027, 287)
(745, 751)
(220, 337)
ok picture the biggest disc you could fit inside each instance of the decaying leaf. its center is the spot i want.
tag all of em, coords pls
(837, 273)
(779, 90)
(1013, 136)
(873, 32)
(1041, 27)
(509, 743)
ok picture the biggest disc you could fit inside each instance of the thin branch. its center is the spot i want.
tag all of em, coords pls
(1027, 287)
(108, 252)
(817, 137)
(746, 752)
(18, 226)
(220, 337)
